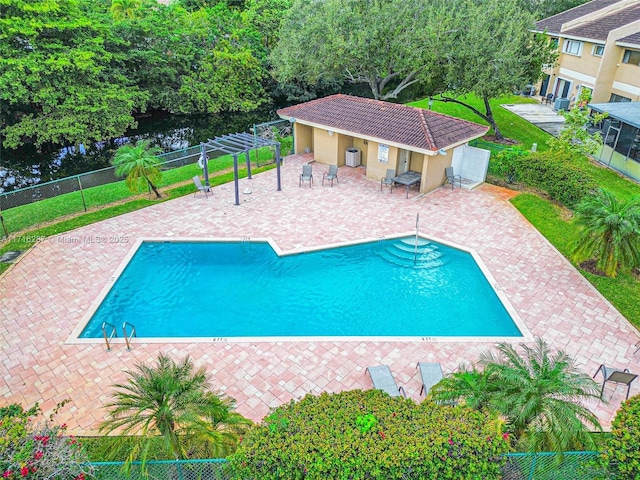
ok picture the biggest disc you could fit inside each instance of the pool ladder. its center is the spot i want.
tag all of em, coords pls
(112, 333)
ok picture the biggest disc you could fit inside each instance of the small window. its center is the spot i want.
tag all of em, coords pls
(632, 57)
(572, 47)
(618, 98)
(598, 50)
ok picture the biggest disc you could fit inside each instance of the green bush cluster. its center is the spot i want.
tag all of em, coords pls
(622, 452)
(564, 180)
(366, 434)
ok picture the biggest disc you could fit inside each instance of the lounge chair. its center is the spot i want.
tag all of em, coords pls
(388, 178)
(331, 175)
(306, 175)
(616, 376)
(383, 380)
(431, 374)
(199, 187)
(452, 178)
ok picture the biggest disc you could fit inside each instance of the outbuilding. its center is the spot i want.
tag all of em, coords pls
(349, 130)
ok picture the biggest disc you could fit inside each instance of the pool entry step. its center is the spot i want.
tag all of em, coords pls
(405, 253)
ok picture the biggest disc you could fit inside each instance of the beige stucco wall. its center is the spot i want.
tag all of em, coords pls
(360, 144)
(303, 137)
(607, 73)
(580, 64)
(375, 169)
(416, 161)
(629, 75)
(433, 174)
(330, 149)
(344, 142)
(325, 146)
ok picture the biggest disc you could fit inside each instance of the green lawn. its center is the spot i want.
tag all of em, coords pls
(552, 221)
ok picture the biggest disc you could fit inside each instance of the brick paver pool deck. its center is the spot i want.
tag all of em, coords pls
(43, 297)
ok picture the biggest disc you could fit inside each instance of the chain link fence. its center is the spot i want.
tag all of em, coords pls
(211, 469)
(83, 181)
(550, 466)
(519, 466)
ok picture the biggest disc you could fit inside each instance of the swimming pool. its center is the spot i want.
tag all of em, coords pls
(388, 288)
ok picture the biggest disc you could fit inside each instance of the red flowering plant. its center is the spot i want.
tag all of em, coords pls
(35, 449)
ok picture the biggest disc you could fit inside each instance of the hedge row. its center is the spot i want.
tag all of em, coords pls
(561, 178)
(369, 435)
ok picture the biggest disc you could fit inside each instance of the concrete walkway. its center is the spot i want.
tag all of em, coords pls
(539, 114)
(44, 297)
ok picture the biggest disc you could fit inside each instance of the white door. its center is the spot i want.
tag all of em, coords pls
(403, 161)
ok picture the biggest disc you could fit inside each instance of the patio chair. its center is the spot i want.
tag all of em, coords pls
(452, 178)
(431, 374)
(383, 380)
(331, 175)
(616, 376)
(388, 178)
(306, 175)
(548, 100)
(199, 187)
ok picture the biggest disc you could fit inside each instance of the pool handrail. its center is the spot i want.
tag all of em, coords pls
(107, 338)
(127, 338)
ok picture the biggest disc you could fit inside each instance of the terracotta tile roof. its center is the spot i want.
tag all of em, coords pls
(599, 29)
(394, 123)
(554, 24)
(633, 39)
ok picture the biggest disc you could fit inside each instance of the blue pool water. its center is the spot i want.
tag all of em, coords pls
(245, 290)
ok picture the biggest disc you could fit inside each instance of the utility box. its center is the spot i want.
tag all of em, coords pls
(352, 157)
(561, 104)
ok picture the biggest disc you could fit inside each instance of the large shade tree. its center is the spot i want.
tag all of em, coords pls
(57, 83)
(204, 60)
(610, 232)
(539, 392)
(385, 44)
(174, 401)
(490, 51)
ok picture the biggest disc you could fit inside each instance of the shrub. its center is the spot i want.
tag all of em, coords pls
(36, 450)
(366, 434)
(622, 452)
(507, 163)
(561, 178)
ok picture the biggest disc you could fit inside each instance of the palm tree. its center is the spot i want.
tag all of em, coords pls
(468, 385)
(139, 162)
(121, 9)
(539, 394)
(172, 402)
(610, 233)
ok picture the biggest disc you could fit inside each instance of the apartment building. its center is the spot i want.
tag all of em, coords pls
(599, 49)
